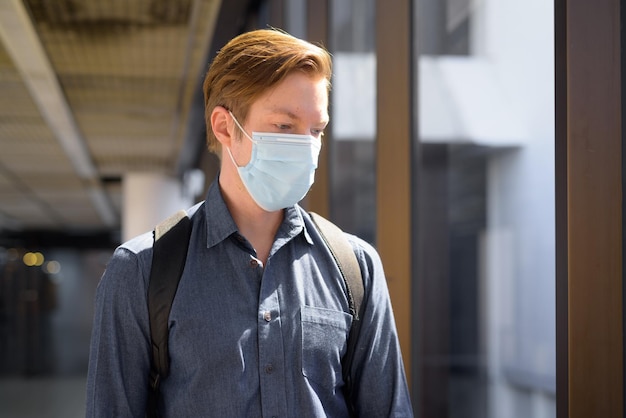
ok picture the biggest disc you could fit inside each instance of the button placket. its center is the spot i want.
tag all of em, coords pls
(271, 350)
(255, 263)
(267, 315)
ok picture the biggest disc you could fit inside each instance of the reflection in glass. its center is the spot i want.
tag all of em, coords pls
(486, 207)
(353, 117)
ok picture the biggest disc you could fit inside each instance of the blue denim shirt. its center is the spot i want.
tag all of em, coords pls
(246, 339)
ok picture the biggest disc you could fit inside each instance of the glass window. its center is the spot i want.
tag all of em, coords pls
(486, 207)
(353, 117)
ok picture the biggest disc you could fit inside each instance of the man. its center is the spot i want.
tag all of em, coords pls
(260, 321)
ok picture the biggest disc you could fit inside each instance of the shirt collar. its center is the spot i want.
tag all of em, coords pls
(293, 225)
(220, 224)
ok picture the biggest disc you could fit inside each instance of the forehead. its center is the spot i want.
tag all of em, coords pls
(298, 96)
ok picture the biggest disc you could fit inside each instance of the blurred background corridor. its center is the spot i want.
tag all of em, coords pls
(449, 149)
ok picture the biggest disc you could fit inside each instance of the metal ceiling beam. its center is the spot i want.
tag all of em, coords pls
(22, 43)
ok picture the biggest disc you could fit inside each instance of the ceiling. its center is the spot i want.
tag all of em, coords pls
(91, 90)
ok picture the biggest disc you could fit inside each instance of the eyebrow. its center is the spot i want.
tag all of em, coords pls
(290, 114)
(285, 112)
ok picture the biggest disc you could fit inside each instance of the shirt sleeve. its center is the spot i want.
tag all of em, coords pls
(379, 388)
(119, 362)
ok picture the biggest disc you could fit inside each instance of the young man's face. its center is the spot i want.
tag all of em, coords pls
(297, 105)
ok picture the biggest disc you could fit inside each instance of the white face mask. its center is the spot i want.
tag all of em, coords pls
(281, 168)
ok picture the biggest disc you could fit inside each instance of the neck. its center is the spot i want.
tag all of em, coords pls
(257, 225)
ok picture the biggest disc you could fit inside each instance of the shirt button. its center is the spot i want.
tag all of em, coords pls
(254, 263)
(267, 315)
(269, 369)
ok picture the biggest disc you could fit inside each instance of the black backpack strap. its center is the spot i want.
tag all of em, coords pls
(345, 258)
(169, 252)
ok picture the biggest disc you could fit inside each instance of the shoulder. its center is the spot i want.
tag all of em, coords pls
(134, 257)
(137, 250)
(367, 256)
(362, 247)
(129, 266)
(138, 244)
(140, 247)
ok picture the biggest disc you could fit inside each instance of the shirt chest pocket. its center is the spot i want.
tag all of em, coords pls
(324, 340)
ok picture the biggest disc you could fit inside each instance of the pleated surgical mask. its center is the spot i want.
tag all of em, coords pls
(281, 169)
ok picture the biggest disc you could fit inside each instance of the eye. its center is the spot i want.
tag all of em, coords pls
(317, 132)
(283, 127)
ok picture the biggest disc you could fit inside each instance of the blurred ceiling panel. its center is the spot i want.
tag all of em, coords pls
(91, 90)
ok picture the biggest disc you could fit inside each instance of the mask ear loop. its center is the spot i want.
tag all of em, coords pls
(239, 126)
(238, 167)
(230, 154)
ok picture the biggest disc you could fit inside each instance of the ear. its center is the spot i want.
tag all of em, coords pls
(222, 125)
